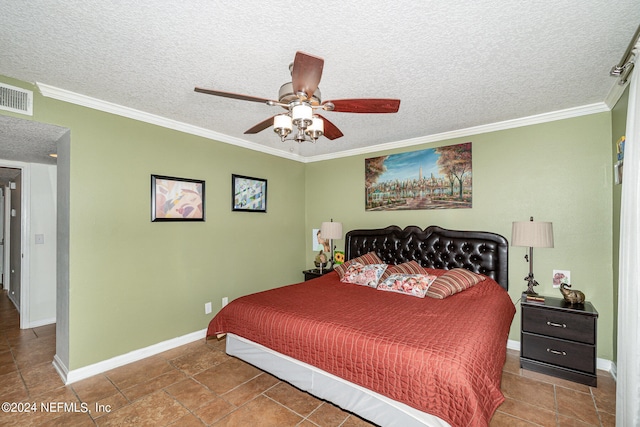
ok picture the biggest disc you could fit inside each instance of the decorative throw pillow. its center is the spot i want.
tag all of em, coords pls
(367, 275)
(411, 267)
(370, 258)
(410, 284)
(452, 282)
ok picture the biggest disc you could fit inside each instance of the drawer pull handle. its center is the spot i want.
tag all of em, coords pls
(557, 325)
(561, 353)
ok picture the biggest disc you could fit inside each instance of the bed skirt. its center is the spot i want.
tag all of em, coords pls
(351, 397)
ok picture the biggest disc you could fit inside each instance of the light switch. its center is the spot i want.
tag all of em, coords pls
(39, 239)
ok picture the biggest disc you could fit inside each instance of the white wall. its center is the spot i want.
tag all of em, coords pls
(42, 268)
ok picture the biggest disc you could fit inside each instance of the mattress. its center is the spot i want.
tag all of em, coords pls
(441, 357)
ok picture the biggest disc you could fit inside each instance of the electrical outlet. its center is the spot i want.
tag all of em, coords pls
(561, 276)
(225, 301)
(207, 308)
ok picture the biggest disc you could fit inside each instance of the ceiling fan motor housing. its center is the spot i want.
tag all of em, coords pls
(286, 95)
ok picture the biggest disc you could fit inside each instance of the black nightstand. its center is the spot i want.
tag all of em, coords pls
(559, 339)
(312, 274)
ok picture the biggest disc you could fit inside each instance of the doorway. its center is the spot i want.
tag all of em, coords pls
(43, 211)
(11, 253)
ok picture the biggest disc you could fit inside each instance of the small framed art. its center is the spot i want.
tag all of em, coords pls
(176, 199)
(248, 194)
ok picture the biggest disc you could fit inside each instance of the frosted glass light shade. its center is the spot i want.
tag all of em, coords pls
(282, 121)
(316, 129)
(302, 114)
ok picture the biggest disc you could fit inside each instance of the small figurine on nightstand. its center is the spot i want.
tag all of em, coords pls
(320, 261)
(572, 296)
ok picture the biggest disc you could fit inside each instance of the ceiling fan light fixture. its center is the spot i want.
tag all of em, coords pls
(316, 129)
(282, 125)
(300, 97)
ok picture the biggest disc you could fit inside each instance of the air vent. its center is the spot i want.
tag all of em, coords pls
(16, 99)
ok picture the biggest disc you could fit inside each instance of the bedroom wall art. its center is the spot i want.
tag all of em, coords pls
(248, 194)
(318, 242)
(435, 178)
(176, 199)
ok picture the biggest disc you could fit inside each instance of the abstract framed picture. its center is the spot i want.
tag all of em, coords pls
(248, 194)
(435, 178)
(176, 199)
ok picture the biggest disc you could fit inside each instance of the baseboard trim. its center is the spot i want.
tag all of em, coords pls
(42, 322)
(513, 345)
(70, 377)
(60, 368)
(614, 371)
(602, 364)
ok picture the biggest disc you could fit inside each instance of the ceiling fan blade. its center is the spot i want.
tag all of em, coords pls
(260, 126)
(331, 131)
(232, 95)
(306, 73)
(370, 105)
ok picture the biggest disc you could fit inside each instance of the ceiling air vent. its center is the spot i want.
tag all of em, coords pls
(16, 99)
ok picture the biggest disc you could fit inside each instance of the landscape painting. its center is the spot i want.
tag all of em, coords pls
(435, 178)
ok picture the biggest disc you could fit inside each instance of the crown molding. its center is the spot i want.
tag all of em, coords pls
(131, 113)
(108, 107)
(599, 107)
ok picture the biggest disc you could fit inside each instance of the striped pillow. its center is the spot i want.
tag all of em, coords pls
(452, 282)
(370, 258)
(411, 267)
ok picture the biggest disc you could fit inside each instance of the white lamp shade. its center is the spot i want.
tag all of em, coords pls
(316, 127)
(533, 234)
(302, 113)
(281, 121)
(331, 230)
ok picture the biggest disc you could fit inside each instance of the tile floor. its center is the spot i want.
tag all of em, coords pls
(198, 384)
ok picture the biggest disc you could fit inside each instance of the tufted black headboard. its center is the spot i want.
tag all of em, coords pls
(434, 247)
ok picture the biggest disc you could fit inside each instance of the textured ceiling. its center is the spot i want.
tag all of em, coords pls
(26, 141)
(453, 64)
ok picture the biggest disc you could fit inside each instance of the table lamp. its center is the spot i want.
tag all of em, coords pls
(532, 234)
(331, 230)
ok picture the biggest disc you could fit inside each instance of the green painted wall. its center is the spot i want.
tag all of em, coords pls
(153, 279)
(134, 283)
(559, 171)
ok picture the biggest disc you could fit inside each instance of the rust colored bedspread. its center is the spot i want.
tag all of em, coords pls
(443, 357)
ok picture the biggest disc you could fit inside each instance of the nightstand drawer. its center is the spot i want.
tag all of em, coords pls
(559, 324)
(558, 352)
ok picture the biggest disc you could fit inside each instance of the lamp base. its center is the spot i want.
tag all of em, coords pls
(531, 282)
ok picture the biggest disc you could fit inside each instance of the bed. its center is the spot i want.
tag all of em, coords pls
(390, 357)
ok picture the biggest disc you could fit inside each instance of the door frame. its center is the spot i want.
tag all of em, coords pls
(25, 203)
(6, 207)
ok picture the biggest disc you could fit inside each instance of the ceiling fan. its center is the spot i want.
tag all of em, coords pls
(301, 98)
